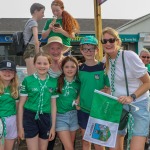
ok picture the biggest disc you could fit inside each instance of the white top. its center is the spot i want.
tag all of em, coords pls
(135, 69)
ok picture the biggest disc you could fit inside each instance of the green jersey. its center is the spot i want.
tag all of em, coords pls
(39, 93)
(70, 92)
(7, 104)
(66, 40)
(91, 78)
(148, 68)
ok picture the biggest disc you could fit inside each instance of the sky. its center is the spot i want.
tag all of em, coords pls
(111, 9)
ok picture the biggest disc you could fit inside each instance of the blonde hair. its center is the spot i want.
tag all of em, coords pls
(13, 87)
(115, 34)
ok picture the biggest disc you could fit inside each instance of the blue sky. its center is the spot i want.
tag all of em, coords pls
(111, 9)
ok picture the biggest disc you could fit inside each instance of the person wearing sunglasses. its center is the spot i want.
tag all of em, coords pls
(138, 85)
(145, 57)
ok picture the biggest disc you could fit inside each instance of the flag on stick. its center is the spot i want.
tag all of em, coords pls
(104, 120)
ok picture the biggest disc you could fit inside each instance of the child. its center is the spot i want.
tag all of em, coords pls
(8, 97)
(30, 35)
(92, 76)
(35, 94)
(68, 89)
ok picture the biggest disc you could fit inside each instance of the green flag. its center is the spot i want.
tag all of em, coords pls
(104, 120)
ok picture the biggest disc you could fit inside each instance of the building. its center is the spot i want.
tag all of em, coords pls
(10, 25)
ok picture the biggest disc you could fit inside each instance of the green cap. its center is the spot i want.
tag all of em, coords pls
(89, 40)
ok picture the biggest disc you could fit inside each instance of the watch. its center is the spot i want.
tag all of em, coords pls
(134, 97)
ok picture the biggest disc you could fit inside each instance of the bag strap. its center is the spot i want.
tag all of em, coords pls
(124, 68)
(30, 37)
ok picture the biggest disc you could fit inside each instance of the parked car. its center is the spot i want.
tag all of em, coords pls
(22, 73)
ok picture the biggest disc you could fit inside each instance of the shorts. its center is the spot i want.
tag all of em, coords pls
(33, 127)
(141, 119)
(11, 127)
(67, 121)
(82, 119)
(29, 52)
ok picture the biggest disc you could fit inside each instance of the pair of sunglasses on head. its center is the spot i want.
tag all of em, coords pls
(111, 40)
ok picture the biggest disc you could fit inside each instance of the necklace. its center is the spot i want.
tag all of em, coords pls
(113, 67)
(40, 103)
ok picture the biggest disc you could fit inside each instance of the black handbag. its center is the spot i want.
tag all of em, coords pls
(125, 114)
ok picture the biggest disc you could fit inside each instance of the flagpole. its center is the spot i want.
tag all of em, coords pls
(98, 28)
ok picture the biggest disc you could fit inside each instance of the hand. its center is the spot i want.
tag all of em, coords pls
(57, 29)
(51, 134)
(125, 99)
(51, 25)
(106, 90)
(77, 102)
(21, 134)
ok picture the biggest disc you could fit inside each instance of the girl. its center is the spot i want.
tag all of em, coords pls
(68, 89)
(138, 85)
(35, 94)
(8, 97)
(68, 25)
(30, 35)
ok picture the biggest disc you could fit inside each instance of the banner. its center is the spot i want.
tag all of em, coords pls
(104, 120)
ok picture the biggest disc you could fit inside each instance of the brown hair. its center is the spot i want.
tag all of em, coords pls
(13, 87)
(115, 34)
(69, 23)
(42, 54)
(36, 6)
(61, 77)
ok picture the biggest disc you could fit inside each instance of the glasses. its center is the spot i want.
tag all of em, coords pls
(145, 57)
(112, 40)
(85, 50)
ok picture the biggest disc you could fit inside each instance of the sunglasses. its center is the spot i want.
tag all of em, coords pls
(111, 40)
(145, 57)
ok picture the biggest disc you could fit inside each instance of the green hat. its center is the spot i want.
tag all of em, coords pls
(89, 40)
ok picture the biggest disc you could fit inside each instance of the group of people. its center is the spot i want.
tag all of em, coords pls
(43, 107)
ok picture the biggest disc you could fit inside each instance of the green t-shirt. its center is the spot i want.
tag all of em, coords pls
(66, 40)
(39, 93)
(148, 68)
(70, 92)
(7, 104)
(91, 78)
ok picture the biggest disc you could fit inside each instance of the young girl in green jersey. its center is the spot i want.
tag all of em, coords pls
(8, 97)
(36, 105)
(92, 76)
(68, 90)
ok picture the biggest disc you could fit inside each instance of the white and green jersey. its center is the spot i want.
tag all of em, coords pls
(7, 104)
(38, 93)
(70, 92)
(91, 78)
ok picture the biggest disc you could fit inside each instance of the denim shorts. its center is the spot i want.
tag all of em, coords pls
(141, 119)
(11, 127)
(34, 127)
(82, 119)
(29, 52)
(67, 121)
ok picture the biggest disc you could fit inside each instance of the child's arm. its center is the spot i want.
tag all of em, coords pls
(77, 102)
(20, 117)
(53, 114)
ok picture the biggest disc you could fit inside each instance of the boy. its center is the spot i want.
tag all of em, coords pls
(92, 76)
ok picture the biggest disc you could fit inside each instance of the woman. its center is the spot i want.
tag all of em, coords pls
(56, 49)
(30, 35)
(62, 25)
(138, 84)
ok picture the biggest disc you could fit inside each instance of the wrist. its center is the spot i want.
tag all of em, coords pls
(133, 96)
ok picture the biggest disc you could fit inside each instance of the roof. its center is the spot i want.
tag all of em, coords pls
(11, 25)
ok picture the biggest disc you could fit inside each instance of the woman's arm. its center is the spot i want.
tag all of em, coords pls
(53, 114)
(20, 117)
(36, 40)
(140, 91)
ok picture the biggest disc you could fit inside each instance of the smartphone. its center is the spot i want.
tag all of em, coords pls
(57, 25)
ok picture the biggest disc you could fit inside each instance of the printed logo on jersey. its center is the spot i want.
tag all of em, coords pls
(51, 89)
(97, 76)
(34, 89)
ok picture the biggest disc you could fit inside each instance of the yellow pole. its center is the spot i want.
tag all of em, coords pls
(98, 28)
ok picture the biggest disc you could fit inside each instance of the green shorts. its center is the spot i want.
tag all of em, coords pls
(29, 52)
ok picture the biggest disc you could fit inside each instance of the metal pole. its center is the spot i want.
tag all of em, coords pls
(98, 28)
